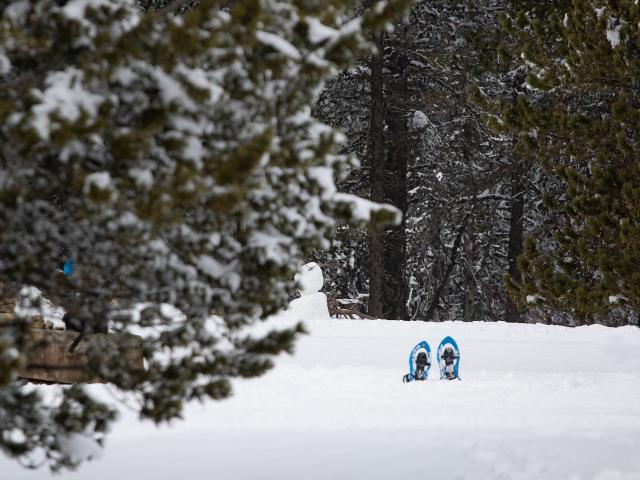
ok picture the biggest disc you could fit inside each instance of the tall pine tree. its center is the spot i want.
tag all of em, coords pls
(584, 60)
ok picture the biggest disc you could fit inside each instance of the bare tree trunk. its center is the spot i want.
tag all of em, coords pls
(376, 155)
(396, 288)
(469, 304)
(516, 230)
(469, 307)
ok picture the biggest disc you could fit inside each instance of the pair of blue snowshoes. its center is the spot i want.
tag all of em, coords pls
(448, 356)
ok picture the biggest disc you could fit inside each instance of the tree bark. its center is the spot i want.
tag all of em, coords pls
(469, 307)
(376, 157)
(516, 231)
(396, 289)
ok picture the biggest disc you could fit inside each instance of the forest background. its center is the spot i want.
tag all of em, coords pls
(509, 147)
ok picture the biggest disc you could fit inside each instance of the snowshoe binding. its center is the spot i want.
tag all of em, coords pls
(448, 359)
(419, 363)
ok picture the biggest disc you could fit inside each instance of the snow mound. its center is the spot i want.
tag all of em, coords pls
(310, 307)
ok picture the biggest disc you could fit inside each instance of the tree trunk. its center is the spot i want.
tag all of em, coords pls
(469, 307)
(376, 156)
(516, 230)
(395, 249)
(469, 302)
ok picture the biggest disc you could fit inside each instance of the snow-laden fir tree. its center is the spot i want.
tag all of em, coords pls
(584, 56)
(174, 159)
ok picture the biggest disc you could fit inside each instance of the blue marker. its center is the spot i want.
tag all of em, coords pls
(67, 267)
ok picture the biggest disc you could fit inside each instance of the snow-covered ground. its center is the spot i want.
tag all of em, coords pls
(535, 402)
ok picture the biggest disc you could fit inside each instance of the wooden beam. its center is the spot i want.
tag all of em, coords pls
(50, 361)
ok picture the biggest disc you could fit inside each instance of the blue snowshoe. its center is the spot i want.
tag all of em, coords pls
(448, 359)
(419, 363)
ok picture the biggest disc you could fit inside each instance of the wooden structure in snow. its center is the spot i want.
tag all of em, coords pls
(48, 358)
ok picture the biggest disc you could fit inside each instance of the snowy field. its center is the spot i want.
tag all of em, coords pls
(535, 402)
